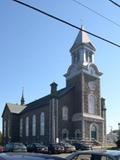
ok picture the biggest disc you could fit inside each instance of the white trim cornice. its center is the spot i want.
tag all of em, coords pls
(92, 116)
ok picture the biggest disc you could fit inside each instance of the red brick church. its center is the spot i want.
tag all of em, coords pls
(74, 112)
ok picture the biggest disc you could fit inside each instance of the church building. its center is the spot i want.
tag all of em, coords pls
(75, 112)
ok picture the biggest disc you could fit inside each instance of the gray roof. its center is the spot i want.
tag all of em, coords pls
(82, 38)
(45, 100)
(15, 108)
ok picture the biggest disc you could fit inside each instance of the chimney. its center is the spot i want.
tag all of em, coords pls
(53, 89)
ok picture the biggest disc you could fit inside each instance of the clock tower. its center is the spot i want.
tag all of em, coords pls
(84, 76)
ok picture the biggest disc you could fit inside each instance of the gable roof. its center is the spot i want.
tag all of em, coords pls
(15, 108)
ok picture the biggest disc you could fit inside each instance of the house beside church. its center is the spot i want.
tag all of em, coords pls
(75, 112)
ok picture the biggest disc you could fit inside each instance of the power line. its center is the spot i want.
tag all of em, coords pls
(99, 14)
(65, 22)
(118, 5)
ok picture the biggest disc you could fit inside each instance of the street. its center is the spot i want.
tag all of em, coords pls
(63, 155)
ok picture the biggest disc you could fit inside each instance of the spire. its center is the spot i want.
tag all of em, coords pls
(22, 97)
(82, 38)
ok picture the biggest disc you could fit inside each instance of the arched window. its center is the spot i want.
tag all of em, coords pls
(34, 125)
(8, 128)
(93, 131)
(21, 127)
(27, 126)
(91, 103)
(42, 124)
(64, 134)
(77, 134)
(4, 128)
(65, 113)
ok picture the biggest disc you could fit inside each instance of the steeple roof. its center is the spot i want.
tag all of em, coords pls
(22, 97)
(82, 38)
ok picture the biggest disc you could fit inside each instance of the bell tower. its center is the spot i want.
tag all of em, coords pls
(82, 51)
(82, 54)
(84, 76)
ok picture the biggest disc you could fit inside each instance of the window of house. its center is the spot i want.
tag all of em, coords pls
(90, 58)
(8, 127)
(4, 128)
(27, 126)
(93, 132)
(21, 127)
(91, 103)
(78, 56)
(87, 56)
(73, 59)
(77, 134)
(64, 134)
(42, 124)
(34, 125)
(65, 113)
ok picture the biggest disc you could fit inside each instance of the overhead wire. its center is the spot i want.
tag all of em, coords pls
(95, 12)
(118, 5)
(65, 22)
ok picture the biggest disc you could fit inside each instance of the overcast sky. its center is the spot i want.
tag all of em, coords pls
(34, 49)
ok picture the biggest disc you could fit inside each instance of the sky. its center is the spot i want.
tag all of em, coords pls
(34, 49)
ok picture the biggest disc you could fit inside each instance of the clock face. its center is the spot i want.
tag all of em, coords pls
(92, 85)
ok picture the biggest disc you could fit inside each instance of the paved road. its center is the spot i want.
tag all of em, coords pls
(63, 155)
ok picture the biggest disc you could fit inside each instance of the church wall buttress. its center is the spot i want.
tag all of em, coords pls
(77, 83)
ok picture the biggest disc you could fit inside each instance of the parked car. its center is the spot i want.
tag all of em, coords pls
(55, 148)
(95, 155)
(2, 149)
(68, 148)
(28, 156)
(15, 147)
(37, 147)
(82, 146)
